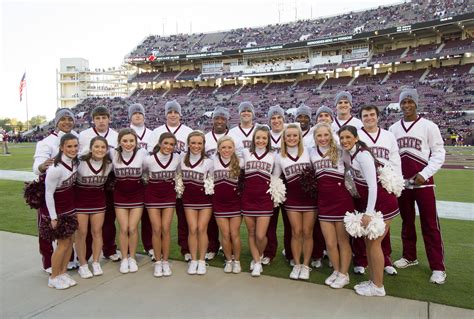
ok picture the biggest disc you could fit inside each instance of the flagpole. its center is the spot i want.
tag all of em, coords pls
(26, 102)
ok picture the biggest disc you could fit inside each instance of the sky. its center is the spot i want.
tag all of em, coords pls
(36, 34)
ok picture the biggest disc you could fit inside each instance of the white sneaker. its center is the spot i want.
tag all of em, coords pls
(359, 270)
(317, 263)
(68, 279)
(124, 266)
(48, 270)
(192, 267)
(166, 268)
(236, 268)
(187, 257)
(114, 257)
(438, 277)
(304, 272)
(252, 264)
(84, 272)
(330, 264)
(201, 268)
(341, 281)
(257, 270)
(158, 269)
(370, 290)
(96, 269)
(266, 260)
(57, 283)
(361, 284)
(210, 255)
(228, 266)
(132, 264)
(390, 270)
(283, 252)
(292, 263)
(329, 280)
(72, 265)
(404, 263)
(151, 254)
(295, 273)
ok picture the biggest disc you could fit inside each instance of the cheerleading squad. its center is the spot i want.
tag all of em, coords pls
(336, 185)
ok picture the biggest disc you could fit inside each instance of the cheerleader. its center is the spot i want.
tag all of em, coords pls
(257, 205)
(333, 202)
(373, 197)
(292, 161)
(226, 201)
(62, 223)
(160, 198)
(128, 195)
(343, 104)
(242, 133)
(195, 168)
(94, 168)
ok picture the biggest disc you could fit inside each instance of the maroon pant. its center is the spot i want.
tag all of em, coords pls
(45, 247)
(430, 228)
(318, 241)
(286, 234)
(146, 231)
(360, 253)
(108, 229)
(272, 240)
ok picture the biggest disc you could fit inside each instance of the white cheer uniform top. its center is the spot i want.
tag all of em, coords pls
(144, 137)
(86, 136)
(181, 133)
(161, 167)
(47, 148)
(337, 124)
(211, 142)
(364, 172)
(91, 174)
(242, 137)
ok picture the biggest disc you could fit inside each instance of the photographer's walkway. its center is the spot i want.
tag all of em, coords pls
(452, 210)
(24, 294)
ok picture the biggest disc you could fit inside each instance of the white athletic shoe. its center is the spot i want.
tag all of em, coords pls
(97, 269)
(265, 260)
(359, 270)
(390, 270)
(292, 263)
(210, 255)
(132, 264)
(48, 270)
(114, 257)
(124, 266)
(68, 279)
(57, 283)
(201, 267)
(166, 268)
(84, 272)
(438, 277)
(151, 254)
(341, 281)
(404, 263)
(370, 290)
(295, 272)
(236, 268)
(187, 257)
(72, 265)
(192, 267)
(158, 272)
(257, 270)
(329, 280)
(304, 272)
(361, 284)
(317, 263)
(252, 264)
(228, 266)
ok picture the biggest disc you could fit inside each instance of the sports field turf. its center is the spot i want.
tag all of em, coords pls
(453, 185)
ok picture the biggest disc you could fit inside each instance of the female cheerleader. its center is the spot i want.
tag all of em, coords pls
(94, 168)
(160, 198)
(226, 201)
(257, 205)
(373, 197)
(292, 160)
(128, 195)
(62, 223)
(333, 202)
(195, 168)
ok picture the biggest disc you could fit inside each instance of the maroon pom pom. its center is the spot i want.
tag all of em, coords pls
(241, 183)
(66, 226)
(110, 183)
(33, 193)
(309, 182)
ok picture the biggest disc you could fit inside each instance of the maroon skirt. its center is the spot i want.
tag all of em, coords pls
(160, 194)
(297, 199)
(89, 200)
(333, 199)
(256, 202)
(226, 201)
(128, 193)
(194, 196)
(386, 203)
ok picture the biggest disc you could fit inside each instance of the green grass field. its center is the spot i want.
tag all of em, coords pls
(412, 283)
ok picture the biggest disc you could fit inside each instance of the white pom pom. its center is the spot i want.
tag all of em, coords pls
(178, 185)
(391, 181)
(277, 190)
(209, 185)
(376, 227)
(352, 222)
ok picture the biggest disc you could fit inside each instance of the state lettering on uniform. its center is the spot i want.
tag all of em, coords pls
(69, 181)
(92, 179)
(409, 142)
(128, 171)
(247, 143)
(324, 163)
(295, 169)
(163, 175)
(380, 152)
(187, 174)
(257, 165)
(180, 146)
(221, 174)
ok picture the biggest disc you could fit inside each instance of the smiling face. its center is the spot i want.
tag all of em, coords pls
(324, 117)
(138, 119)
(323, 136)
(304, 121)
(343, 108)
(70, 148)
(65, 124)
(173, 118)
(408, 107)
(167, 146)
(347, 140)
(128, 142)
(261, 139)
(101, 123)
(226, 149)
(369, 119)
(276, 122)
(246, 117)
(98, 150)
(219, 124)
(196, 145)
(292, 137)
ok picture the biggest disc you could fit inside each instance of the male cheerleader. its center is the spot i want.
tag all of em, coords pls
(343, 104)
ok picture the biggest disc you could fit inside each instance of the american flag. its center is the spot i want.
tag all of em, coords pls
(22, 85)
